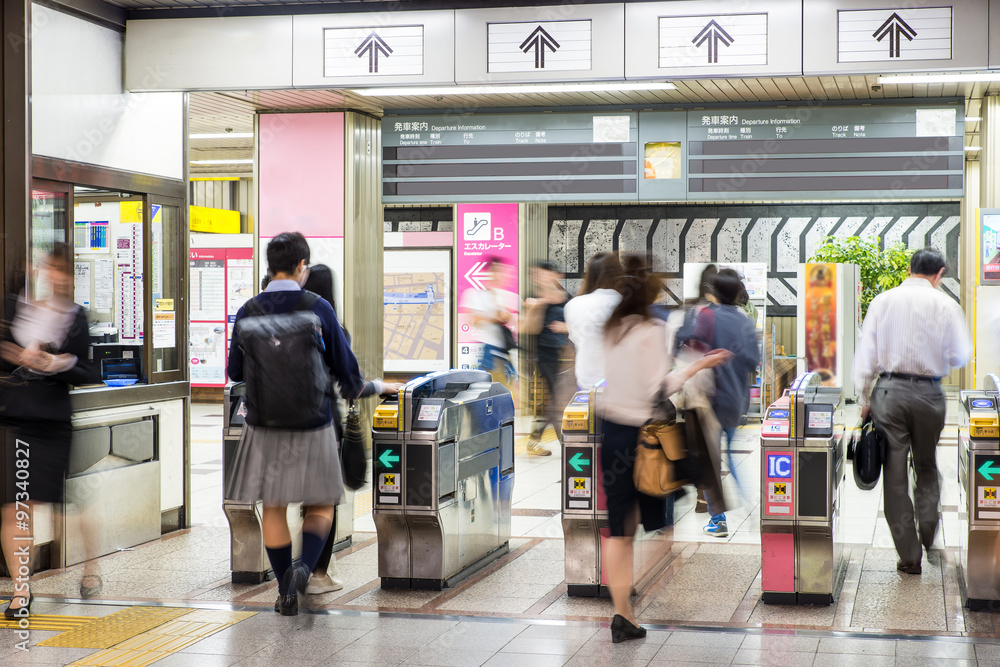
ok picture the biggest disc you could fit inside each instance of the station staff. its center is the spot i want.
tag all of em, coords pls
(913, 335)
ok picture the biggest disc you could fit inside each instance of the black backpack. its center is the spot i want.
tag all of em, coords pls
(286, 376)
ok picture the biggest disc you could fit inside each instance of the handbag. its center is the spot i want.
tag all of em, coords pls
(508, 338)
(868, 451)
(352, 450)
(662, 464)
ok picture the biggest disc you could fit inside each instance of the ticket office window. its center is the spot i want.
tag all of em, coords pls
(128, 277)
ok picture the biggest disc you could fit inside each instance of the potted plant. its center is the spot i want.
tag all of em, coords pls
(880, 268)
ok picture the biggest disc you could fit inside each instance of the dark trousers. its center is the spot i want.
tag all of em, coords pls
(548, 368)
(912, 415)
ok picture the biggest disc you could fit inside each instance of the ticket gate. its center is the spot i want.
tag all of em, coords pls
(979, 507)
(802, 469)
(247, 558)
(443, 478)
(585, 509)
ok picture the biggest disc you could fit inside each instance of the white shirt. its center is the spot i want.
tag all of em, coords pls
(586, 316)
(488, 304)
(912, 329)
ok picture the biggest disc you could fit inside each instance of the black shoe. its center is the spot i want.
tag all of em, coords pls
(908, 568)
(289, 601)
(19, 612)
(277, 603)
(622, 630)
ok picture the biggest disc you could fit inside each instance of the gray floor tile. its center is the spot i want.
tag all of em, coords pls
(988, 654)
(780, 642)
(911, 661)
(843, 645)
(710, 639)
(483, 636)
(936, 649)
(450, 657)
(371, 654)
(853, 660)
(526, 659)
(43, 655)
(199, 659)
(683, 654)
(750, 656)
(543, 646)
(583, 632)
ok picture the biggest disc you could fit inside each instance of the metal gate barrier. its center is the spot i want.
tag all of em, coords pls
(585, 509)
(443, 478)
(802, 464)
(979, 507)
(247, 558)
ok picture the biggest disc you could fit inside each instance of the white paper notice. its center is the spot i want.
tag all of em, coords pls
(104, 283)
(164, 328)
(241, 283)
(936, 122)
(208, 352)
(609, 129)
(208, 289)
(81, 283)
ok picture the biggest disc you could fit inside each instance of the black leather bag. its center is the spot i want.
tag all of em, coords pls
(868, 452)
(352, 450)
(509, 343)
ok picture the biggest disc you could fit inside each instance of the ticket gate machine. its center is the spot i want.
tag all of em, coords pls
(979, 507)
(443, 478)
(802, 468)
(247, 558)
(585, 508)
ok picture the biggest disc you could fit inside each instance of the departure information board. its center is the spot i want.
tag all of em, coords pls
(812, 151)
(510, 157)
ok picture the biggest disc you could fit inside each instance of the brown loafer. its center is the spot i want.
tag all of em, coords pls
(908, 568)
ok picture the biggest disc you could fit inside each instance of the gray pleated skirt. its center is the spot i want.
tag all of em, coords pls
(280, 467)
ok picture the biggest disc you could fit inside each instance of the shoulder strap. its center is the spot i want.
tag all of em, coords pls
(253, 308)
(307, 300)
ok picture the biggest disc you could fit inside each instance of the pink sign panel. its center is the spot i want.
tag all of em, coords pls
(485, 235)
(779, 479)
(301, 174)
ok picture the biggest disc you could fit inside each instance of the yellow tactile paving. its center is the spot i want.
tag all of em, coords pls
(362, 503)
(159, 642)
(48, 622)
(106, 631)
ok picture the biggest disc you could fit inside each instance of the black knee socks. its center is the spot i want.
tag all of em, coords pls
(281, 560)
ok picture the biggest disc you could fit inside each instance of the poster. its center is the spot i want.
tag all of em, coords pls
(239, 278)
(164, 329)
(417, 311)
(821, 319)
(103, 284)
(207, 353)
(81, 284)
(208, 284)
(488, 234)
(989, 246)
(128, 257)
(663, 160)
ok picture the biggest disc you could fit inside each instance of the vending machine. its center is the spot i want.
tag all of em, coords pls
(829, 322)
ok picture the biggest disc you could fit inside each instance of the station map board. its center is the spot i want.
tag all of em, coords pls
(810, 151)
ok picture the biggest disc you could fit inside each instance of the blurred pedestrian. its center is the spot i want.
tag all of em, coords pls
(281, 465)
(912, 336)
(492, 311)
(640, 379)
(587, 314)
(545, 322)
(44, 352)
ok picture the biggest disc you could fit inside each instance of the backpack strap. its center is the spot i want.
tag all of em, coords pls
(307, 300)
(253, 308)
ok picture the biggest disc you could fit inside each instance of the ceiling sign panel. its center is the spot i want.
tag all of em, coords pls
(703, 41)
(569, 42)
(699, 38)
(547, 45)
(377, 49)
(374, 51)
(894, 34)
(873, 37)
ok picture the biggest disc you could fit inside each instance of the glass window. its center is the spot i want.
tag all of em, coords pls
(48, 222)
(166, 265)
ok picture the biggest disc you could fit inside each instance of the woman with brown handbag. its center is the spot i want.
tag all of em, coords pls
(639, 375)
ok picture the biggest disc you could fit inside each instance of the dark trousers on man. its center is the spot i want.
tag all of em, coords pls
(911, 413)
(548, 365)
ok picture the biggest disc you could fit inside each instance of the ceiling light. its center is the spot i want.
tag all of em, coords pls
(973, 119)
(982, 77)
(519, 89)
(223, 135)
(970, 149)
(204, 162)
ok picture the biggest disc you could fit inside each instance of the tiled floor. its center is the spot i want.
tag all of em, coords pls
(516, 610)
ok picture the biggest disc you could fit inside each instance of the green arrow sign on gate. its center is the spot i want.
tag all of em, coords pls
(387, 459)
(577, 461)
(986, 470)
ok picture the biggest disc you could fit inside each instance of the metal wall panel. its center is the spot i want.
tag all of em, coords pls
(407, 48)
(827, 33)
(994, 45)
(529, 43)
(232, 53)
(363, 252)
(713, 38)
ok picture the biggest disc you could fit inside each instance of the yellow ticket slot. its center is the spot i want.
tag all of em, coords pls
(576, 418)
(386, 417)
(984, 427)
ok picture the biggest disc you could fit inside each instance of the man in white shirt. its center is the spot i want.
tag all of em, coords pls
(913, 335)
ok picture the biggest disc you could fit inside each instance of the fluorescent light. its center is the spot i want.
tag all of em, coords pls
(250, 161)
(222, 135)
(973, 119)
(982, 77)
(971, 149)
(518, 89)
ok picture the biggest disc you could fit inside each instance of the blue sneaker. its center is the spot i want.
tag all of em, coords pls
(717, 526)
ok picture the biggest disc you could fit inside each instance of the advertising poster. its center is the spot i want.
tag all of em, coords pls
(821, 319)
(417, 320)
(486, 262)
(989, 244)
(207, 353)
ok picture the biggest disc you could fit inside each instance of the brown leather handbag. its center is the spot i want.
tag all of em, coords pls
(660, 459)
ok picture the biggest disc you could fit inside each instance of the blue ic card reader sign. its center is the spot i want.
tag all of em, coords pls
(982, 403)
(779, 466)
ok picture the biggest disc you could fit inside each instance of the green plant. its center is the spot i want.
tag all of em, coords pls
(881, 269)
